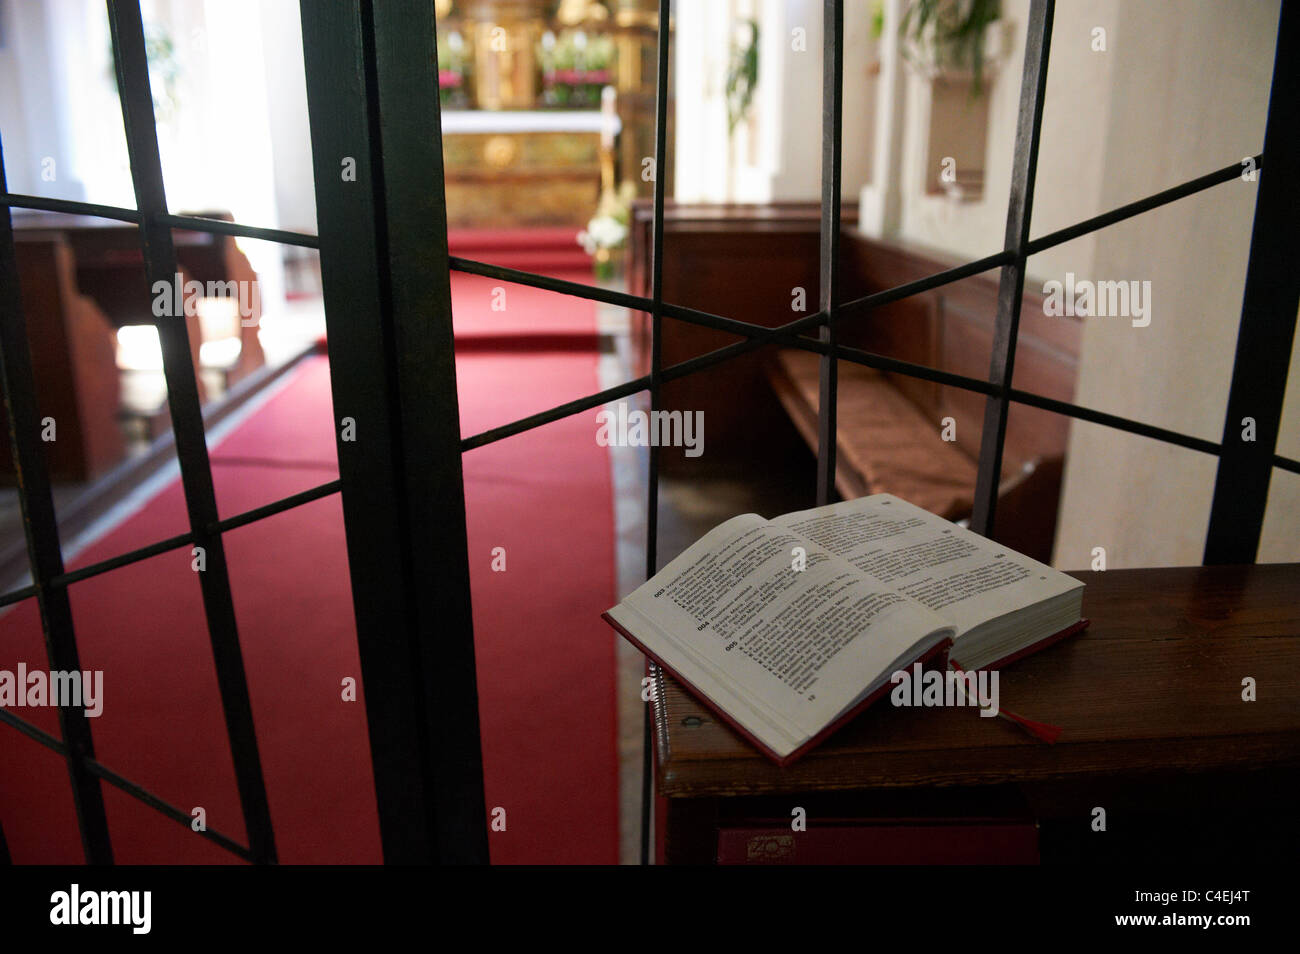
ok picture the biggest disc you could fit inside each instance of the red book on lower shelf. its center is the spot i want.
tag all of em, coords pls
(957, 841)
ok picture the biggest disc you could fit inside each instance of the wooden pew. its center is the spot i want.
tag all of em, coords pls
(206, 258)
(83, 278)
(109, 269)
(892, 426)
(741, 262)
(746, 262)
(73, 349)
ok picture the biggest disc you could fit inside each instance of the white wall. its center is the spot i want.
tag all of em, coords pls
(1278, 541)
(285, 78)
(799, 160)
(1181, 89)
(701, 151)
(21, 28)
(1189, 92)
(239, 140)
(776, 155)
(1068, 183)
(58, 103)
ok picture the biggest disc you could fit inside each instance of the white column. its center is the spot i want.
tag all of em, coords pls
(880, 202)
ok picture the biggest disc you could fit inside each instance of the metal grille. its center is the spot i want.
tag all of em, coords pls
(373, 96)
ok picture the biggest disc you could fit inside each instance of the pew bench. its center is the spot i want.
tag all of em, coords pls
(886, 443)
(744, 261)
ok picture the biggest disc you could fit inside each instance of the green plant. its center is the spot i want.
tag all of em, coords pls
(953, 31)
(877, 19)
(742, 77)
(164, 69)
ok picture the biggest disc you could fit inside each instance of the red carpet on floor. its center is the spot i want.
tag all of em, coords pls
(529, 249)
(503, 313)
(545, 661)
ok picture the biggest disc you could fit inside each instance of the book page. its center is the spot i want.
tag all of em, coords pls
(964, 577)
(804, 642)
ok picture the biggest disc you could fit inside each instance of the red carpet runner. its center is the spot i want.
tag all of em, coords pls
(545, 661)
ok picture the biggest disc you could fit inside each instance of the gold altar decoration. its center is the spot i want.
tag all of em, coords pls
(505, 35)
(513, 173)
(503, 180)
(574, 12)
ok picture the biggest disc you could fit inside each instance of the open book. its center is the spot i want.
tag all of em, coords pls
(788, 627)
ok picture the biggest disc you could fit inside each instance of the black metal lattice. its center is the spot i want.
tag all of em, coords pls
(373, 96)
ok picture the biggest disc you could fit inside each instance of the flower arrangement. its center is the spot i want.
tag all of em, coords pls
(575, 68)
(453, 72)
(607, 231)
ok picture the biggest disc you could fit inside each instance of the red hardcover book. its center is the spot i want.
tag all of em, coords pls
(936, 653)
(787, 628)
(939, 826)
(903, 841)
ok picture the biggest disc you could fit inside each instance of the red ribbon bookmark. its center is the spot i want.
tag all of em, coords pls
(1039, 730)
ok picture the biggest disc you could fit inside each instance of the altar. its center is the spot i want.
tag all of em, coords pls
(512, 168)
(548, 108)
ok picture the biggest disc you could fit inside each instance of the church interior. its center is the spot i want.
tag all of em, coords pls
(610, 196)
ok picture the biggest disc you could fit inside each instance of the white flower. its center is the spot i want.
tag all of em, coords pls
(604, 231)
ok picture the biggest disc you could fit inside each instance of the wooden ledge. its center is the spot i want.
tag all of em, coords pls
(1154, 684)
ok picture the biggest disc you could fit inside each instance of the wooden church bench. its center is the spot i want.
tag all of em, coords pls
(73, 351)
(887, 444)
(748, 261)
